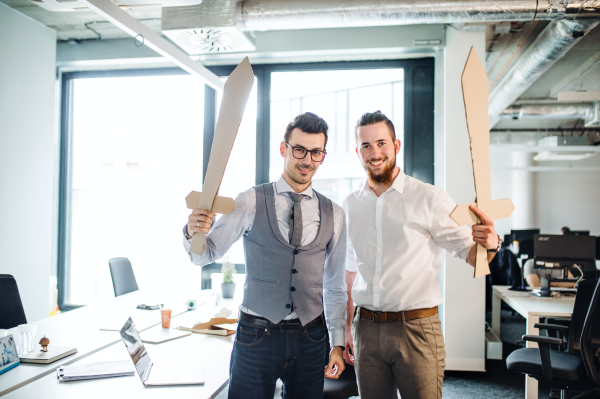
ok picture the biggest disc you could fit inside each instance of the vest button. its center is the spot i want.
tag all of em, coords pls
(288, 306)
(292, 289)
(294, 271)
(296, 251)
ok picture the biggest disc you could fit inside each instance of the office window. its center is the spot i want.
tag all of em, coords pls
(136, 152)
(340, 97)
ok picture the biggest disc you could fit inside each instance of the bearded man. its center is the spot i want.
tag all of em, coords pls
(398, 229)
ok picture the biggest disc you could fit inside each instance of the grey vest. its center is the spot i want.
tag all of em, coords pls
(279, 275)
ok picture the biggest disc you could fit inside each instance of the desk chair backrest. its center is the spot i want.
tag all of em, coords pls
(585, 291)
(11, 307)
(122, 276)
(590, 338)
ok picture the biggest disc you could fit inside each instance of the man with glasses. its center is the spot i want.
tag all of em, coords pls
(398, 230)
(294, 248)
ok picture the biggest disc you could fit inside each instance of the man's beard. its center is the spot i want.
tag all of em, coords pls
(386, 175)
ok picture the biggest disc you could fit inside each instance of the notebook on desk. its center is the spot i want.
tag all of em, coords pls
(54, 353)
(158, 336)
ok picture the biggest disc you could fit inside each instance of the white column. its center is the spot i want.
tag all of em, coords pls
(27, 156)
(464, 297)
(523, 192)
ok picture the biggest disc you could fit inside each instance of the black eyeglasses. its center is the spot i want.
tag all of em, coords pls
(300, 152)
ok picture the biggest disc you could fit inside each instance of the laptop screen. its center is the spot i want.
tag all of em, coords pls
(134, 346)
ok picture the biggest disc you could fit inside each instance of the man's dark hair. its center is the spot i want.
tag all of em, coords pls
(371, 118)
(308, 123)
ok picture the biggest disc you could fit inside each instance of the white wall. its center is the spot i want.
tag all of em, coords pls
(568, 199)
(27, 160)
(463, 312)
(547, 200)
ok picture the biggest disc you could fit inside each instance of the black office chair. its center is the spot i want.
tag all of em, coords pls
(562, 370)
(342, 388)
(590, 346)
(11, 307)
(122, 276)
(504, 270)
(345, 386)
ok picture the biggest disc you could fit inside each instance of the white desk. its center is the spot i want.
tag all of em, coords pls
(81, 328)
(531, 308)
(197, 350)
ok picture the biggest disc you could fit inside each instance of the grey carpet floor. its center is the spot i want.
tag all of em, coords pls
(495, 382)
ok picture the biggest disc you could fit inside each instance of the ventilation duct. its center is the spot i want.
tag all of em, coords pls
(550, 46)
(312, 14)
(529, 137)
(550, 111)
(307, 14)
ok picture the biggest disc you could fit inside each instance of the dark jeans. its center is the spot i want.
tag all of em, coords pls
(261, 356)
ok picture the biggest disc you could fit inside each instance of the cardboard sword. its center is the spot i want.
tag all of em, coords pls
(235, 96)
(475, 92)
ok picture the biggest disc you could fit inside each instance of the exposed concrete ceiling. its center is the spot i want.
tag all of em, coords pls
(578, 70)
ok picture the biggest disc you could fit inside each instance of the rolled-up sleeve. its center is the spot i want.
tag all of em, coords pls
(455, 239)
(334, 284)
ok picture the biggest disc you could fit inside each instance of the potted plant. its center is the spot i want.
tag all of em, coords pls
(227, 286)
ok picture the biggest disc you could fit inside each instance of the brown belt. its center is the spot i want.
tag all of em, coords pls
(386, 317)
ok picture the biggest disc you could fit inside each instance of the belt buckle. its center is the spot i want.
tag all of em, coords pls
(373, 316)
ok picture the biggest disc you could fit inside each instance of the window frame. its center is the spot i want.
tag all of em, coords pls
(418, 145)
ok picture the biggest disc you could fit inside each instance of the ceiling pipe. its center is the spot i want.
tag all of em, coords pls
(550, 132)
(258, 15)
(549, 111)
(550, 46)
(308, 14)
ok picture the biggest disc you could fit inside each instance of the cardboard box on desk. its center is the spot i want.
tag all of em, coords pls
(216, 326)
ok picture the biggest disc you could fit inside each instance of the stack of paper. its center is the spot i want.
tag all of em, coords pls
(94, 370)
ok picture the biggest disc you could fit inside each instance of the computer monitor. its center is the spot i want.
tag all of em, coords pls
(525, 239)
(577, 233)
(564, 252)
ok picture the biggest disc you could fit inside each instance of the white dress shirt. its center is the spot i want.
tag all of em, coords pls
(230, 228)
(396, 243)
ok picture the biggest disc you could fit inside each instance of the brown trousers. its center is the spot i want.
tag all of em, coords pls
(404, 355)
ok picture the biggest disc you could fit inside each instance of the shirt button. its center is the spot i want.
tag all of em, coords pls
(296, 251)
(288, 306)
(294, 271)
(292, 289)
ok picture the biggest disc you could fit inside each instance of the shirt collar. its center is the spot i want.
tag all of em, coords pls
(283, 187)
(397, 184)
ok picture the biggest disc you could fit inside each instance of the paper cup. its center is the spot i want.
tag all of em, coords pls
(165, 318)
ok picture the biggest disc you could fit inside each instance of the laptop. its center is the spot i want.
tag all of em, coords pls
(155, 375)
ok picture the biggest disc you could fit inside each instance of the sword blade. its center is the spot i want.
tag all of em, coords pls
(235, 97)
(475, 93)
